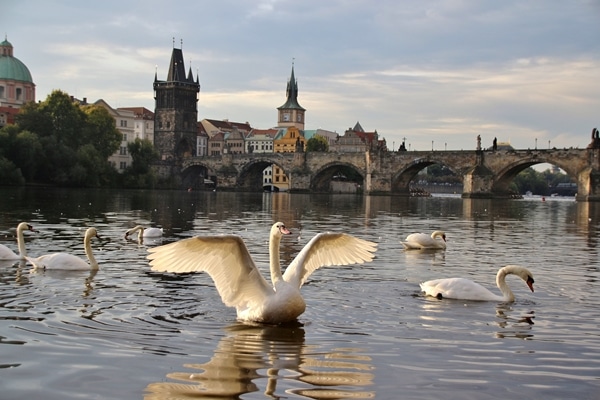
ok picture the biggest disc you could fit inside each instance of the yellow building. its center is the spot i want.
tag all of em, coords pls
(288, 140)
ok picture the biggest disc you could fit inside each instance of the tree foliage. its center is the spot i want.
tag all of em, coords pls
(59, 142)
(317, 143)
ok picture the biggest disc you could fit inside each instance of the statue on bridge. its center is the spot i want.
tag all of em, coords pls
(595, 144)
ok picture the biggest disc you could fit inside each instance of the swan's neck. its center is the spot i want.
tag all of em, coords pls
(274, 260)
(21, 243)
(88, 252)
(501, 282)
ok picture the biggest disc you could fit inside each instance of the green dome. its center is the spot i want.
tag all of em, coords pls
(12, 68)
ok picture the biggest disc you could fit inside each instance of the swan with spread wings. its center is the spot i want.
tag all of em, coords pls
(237, 279)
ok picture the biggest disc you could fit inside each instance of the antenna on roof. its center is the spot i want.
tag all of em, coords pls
(181, 43)
(173, 41)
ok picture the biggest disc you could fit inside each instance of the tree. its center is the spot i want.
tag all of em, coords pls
(531, 180)
(58, 141)
(139, 174)
(66, 118)
(317, 143)
(143, 153)
(100, 130)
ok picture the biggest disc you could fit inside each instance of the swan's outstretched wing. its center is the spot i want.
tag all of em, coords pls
(225, 258)
(328, 249)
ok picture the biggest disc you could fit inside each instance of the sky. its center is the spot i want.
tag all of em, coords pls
(435, 73)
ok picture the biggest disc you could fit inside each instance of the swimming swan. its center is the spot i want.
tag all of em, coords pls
(464, 289)
(8, 254)
(237, 279)
(144, 232)
(424, 241)
(66, 261)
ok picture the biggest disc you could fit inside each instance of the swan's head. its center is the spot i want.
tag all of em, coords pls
(24, 226)
(138, 228)
(279, 229)
(441, 234)
(522, 273)
(91, 232)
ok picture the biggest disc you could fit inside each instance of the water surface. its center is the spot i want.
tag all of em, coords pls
(126, 332)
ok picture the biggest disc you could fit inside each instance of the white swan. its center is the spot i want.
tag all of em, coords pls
(67, 261)
(8, 254)
(144, 232)
(464, 289)
(425, 241)
(239, 282)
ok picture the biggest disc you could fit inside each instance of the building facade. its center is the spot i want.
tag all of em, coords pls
(16, 84)
(125, 123)
(144, 122)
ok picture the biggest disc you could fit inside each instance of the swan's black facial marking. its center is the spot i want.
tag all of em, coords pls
(439, 296)
(530, 282)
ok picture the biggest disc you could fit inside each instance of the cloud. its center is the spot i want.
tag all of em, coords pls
(435, 70)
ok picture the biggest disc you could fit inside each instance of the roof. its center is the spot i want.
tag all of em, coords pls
(139, 112)
(11, 68)
(228, 125)
(263, 132)
(292, 95)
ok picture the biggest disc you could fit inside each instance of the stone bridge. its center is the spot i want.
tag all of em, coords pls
(485, 174)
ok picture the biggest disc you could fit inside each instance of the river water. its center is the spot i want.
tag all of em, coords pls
(128, 333)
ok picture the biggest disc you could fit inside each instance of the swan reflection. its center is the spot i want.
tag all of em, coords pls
(256, 358)
(519, 327)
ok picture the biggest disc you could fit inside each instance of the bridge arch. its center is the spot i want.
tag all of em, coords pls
(505, 176)
(196, 177)
(401, 180)
(322, 177)
(250, 177)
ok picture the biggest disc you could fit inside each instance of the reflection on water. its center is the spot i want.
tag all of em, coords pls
(259, 358)
(519, 327)
(126, 332)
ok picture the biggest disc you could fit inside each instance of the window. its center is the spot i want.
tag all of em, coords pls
(124, 137)
(19, 93)
(124, 123)
(1, 92)
(122, 165)
(123, 151)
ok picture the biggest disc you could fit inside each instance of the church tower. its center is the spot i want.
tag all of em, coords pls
(291, 113)
(176, 111)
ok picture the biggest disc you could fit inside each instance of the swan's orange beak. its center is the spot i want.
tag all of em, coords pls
(284, 230)
(530, 283)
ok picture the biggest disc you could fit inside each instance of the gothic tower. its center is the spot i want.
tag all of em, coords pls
(176, 111)
(291, 113)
